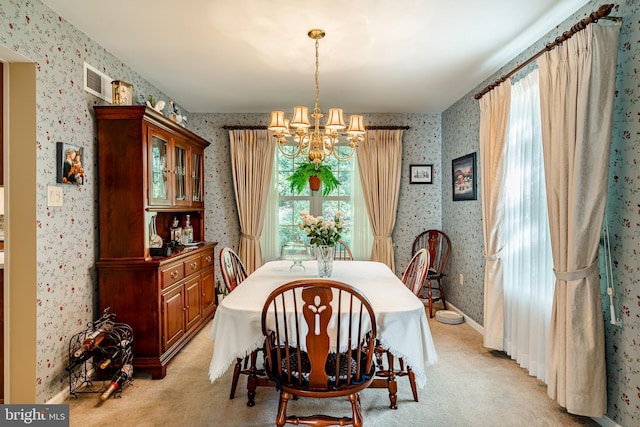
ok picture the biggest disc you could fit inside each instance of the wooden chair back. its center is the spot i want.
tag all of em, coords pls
(232, 268)
(415, 273)
(342, 251)
(438, 245)
(304, 322)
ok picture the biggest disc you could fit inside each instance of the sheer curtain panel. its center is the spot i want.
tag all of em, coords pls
(577, 84)
(361, 236)
(528, 265)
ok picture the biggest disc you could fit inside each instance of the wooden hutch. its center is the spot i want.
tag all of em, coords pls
(150, 166)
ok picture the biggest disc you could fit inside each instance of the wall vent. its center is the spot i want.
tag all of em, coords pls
(97, 83)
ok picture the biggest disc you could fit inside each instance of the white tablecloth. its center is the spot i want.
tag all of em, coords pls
(400, 315)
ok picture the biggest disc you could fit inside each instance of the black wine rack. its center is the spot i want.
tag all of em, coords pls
(90, 376)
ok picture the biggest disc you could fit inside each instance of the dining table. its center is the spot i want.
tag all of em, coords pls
(402, 326)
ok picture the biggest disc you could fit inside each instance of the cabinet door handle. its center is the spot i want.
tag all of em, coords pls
(185, 308)
(174, 274)
(208, 258)
(194, 265)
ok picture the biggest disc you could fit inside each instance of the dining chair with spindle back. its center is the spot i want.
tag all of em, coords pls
(304, 322)
(439, 246)
(413, 277)
(233, 274)
(342, 252)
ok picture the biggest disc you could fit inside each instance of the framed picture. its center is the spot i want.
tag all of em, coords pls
(69, 164)
(463, 174)
(421, 174)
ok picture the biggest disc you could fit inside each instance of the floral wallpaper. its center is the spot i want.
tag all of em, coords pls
(462, 220)
(67, 238)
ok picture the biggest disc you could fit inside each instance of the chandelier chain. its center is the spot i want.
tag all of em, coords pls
(315, 145)
(317, 108)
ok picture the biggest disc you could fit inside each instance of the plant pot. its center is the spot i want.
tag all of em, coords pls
(314, 183)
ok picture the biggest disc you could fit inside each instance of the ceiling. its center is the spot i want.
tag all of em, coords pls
(235, 56)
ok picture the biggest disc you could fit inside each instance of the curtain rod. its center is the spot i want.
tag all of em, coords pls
(602, 13)
(238, 127)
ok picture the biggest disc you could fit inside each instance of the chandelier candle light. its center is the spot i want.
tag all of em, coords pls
(314, 143)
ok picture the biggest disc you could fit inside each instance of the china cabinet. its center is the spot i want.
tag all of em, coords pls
(150, 172)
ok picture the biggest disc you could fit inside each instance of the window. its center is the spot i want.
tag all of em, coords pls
(283, 206)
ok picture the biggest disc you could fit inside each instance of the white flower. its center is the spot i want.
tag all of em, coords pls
(321, 232)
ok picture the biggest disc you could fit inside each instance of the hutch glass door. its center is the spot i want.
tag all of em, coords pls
(158, 188)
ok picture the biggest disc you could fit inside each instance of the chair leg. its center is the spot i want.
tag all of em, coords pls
(444, 301)
(356, 412)
(430, 298)
(412, 381)
(281, 418)
(236, 375)
(392, 384)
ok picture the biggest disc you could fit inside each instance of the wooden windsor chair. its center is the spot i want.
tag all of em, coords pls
(413, 277)
(342, 251)
(301, 348)
(439, 246)
(233, 274)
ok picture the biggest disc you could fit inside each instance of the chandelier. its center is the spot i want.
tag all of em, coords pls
(314, 143)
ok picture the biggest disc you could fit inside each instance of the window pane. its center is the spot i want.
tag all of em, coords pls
(291, 204)
(289, 219)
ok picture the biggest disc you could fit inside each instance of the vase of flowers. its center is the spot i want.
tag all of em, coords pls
(323, 235)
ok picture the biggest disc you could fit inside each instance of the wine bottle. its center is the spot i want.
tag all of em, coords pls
(93, 339)
(75, 361)
(124, 345)
(123, 374)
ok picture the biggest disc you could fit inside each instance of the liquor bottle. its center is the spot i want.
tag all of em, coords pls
(120, 349)
(93, 340)
(188, 230)
(123, 374)
(176, 231)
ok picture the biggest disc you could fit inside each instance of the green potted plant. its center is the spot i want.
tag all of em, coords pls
(306, 171)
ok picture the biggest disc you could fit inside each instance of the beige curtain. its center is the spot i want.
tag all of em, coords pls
(251, 161)
(380, 163)
(577, 83)
(494, 118)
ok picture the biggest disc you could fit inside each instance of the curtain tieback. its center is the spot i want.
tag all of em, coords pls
(248, 236)
(568, 276)
(493, 257)
(387, 236)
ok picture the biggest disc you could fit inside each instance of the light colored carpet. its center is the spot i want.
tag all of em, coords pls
(468, 386)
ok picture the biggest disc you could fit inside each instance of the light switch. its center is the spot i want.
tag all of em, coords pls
(54, 196)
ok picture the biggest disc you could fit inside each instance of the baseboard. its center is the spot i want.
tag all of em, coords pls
(65, 393)
(60, 397)
(604, 421)
(467, 319)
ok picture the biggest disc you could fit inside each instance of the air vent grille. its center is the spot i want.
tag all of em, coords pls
(97, 83)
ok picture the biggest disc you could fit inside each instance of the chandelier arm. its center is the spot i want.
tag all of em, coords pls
(345, 158)
(290, 155)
